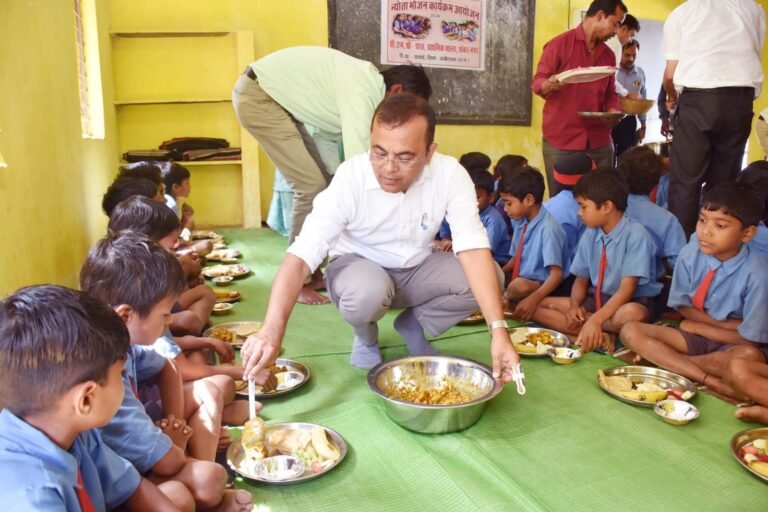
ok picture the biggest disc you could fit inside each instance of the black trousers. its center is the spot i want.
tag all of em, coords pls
(711, 130)
(624, 135)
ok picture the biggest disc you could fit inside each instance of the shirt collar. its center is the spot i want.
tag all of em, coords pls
(728, 266)
(22, 437)
(536, 220)
(615, 233)
(639, 198)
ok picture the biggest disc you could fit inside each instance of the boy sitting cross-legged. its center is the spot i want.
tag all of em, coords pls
(614, 267)
(141, 281)
(61, 358)
(720, 287)
(539, 248)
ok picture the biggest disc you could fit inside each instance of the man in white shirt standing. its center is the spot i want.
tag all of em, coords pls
(628, 29)
(713, 73)
(283, 93)
(377, 220)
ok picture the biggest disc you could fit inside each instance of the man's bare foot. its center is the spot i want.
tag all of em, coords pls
(311, 297)
(752, 413)
(235, 500)
(608, 344)
(177, 430)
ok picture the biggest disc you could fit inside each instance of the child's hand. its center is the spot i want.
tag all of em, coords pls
(223, 348)
(176, 429)
(591, 335)
(526, 308)
(442, 245)
(575, 317)
(267, 380)
(689, 326)
(187, 210)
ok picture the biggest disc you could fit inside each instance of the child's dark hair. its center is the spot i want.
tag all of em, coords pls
(756, 176)
(52, 339)
(145, 216)
(148, 170)
(413, 79)
(482, 179)
(737, 200)
(521, 182)
(601, 185)
(123, 188)
(173, 174)
(129, 268)
(508, 164)
(475, 160)
(641, 168)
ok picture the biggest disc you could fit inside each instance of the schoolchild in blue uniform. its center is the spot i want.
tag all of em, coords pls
(141, 281)
(489, 216)
(539, 250)
(755, 175)
(614, 267)
(720, 288)
(506, 165)
(641, 168)
(70, 349)
(568, 170)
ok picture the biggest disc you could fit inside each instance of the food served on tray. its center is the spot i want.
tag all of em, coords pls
(288, 375)
(245, 329)
(534, 341)
(643, 391)
(226, 295)
(225, 270)
(755, 455)
(201, 234)
(223, 255)
(314, 448)
(445, 391)
(234, 332)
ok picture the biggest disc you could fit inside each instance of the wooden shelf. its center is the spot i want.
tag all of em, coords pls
(171, 101)
(174, 33)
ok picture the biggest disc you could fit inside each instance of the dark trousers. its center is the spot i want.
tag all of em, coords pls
(711, 130)
(624, 135)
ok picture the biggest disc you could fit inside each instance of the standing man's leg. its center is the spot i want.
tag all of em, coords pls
(603, 156)
(436, 295)
(290, 148)
(624, 136)
(363, 292)
(551, 154)
(729, 139)
(690, 157)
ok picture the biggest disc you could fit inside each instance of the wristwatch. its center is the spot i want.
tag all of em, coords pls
(497, 324)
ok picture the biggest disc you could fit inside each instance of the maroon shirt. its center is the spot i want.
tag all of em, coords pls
(561, 126)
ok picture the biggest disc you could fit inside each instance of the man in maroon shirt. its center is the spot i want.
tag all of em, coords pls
(584, 46)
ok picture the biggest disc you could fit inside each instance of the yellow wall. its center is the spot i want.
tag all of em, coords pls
(50, 194)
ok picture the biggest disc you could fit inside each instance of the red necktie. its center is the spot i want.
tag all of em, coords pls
(519, 254)
(701, 291)
(86, 505)
(653, 193)
(600, 275)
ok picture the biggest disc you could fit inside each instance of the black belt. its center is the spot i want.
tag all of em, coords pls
(249, 73)
(722, 90)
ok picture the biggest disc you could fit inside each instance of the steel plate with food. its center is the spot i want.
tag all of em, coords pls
(225, 270)
(474, 318)
(225, 255)
(586, 74)
(318, 448)
(536, 341)
(433, 394)
(750, 447)
(226, 295)
(202, 234)
(233, 332)
(601, 115)
(290, 375)
(644, 386)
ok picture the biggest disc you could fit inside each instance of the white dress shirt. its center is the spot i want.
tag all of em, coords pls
(717, 43)
(355, 216)
(615, 45)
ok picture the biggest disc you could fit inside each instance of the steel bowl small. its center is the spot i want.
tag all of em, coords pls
(473, 378)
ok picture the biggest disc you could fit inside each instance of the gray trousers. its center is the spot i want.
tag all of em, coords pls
(286, 142)
(437, 291)
(603, 156)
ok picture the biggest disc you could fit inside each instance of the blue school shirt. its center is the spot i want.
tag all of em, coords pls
(629, 251)
(663, 226)
(759, 243)
(444, 231)
(545, 245)
(739, 288)
(131, 433)
(37, 474)
(565, 209)
(497, 234)
(166, 346)
(662, 191)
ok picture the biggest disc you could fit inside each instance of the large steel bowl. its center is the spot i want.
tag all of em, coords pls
(472, 377)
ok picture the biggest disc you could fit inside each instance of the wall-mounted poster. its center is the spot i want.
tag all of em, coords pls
(442, 34)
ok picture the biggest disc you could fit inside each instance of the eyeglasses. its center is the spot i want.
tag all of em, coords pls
(397, 162)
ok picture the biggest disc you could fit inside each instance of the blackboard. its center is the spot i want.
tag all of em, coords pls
(501, 94)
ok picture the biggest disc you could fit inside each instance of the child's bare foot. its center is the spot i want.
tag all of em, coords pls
(236, 413)
(311, 297)
(608, 344)
(224, 439)
(235, 501)
(177, 430)
(752, 413)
